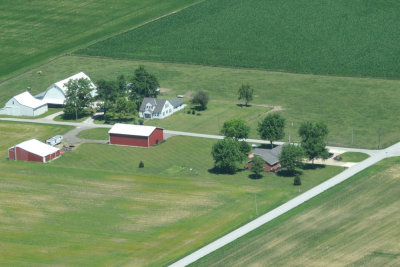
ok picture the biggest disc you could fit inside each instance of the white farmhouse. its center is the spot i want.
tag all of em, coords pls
(55, 94)
(24, 105)
(154, 108)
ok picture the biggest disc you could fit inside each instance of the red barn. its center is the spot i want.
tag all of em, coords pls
(135, 135)
(33, 150)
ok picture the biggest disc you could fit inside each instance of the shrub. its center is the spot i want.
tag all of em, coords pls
(141, 164)
(188, 112)
(141, 121)
(297, 180)
(193, 112)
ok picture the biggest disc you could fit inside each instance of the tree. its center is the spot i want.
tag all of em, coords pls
(235, 128)
(257, 166)
(108, 93)
(272, 127)
(297, 180)
(245, 148)
(143, 84)
(78, 97)
(313, 137)
(291, 157)
(122, 110)
(141, 164)
(227, 155)
(201, 98)
(246, 93)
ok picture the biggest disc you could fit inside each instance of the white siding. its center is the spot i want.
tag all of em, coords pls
(54, 95)
(14, 108)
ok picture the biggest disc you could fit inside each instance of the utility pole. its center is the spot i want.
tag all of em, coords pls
(255, 201)
(219, 130)
(379, 142)
(352, 136)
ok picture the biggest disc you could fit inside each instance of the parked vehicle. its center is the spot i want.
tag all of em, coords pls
(55, 140)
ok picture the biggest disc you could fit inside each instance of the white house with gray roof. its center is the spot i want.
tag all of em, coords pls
(157, 108)
(24, 105)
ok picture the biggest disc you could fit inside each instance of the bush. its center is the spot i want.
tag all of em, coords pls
(193, 112)
(141, 164)
(188, 112)
(141, 121)
(297, 180)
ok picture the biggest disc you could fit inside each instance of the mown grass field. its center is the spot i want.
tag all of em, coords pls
(344, 38)
(95, 206)
(369, 106)
(34, 31)
(354, 224)
(353, 156)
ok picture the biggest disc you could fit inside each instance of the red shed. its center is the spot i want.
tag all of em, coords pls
(33, 150)
(135, 135)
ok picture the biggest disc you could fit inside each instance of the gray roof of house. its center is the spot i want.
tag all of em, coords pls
(270, 156)
(176, 102)
(158, 103)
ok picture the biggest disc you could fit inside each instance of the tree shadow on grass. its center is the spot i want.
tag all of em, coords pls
(288, 173)
(243, 105)
(254, 176)
(267, 146)
(312, 167)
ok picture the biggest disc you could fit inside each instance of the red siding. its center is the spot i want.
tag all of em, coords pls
(11, 153)
(267, 167)
(156, 135)
(25, 155)
(128, 140)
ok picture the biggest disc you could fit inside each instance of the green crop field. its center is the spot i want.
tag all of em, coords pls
(365, 105)
(34, 31)
(353, 156)
(94, 206)
(344, 38)
(354, 224)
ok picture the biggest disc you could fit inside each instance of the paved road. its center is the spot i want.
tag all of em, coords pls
(172, 133)
(378, 156)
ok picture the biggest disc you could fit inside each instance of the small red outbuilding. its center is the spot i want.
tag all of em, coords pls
(33, 150)
(135, 135)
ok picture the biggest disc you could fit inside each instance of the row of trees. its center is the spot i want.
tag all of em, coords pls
(121, 97)
(230, 152)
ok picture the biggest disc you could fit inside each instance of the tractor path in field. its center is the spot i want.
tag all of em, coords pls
(291, 204)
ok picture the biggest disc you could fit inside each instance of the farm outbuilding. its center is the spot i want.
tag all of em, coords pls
(135, 135)
(24, 105)
(55, 94)
(270, 157)
(33, 150)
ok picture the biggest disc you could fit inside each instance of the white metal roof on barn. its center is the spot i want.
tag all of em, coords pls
(61, 84)
(26, 99)
(130, 129)
(36, 147)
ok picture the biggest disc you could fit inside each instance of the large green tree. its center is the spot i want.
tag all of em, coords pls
(246, 93)
(291, 157)
(313, 137)
(78, 98)
(120, 111)
(108, 93)
(227, 155)
(235, 128)
(272, 127)
(143, 84)
(201, 98)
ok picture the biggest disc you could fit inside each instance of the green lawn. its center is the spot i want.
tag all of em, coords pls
(345, 38)
(34, 31)
(353, 156)
(94, 134)
(94, 206)
(60, 118)
(354, 224)
(367, 106)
